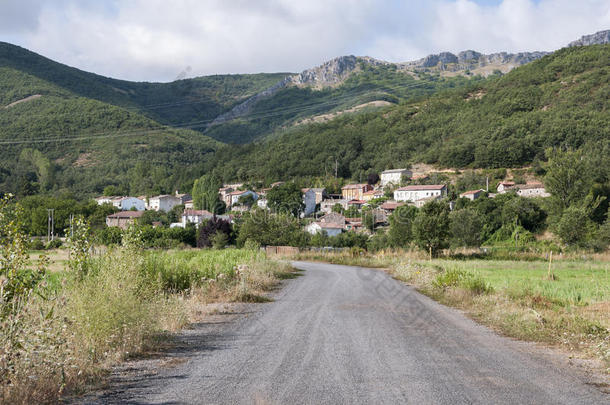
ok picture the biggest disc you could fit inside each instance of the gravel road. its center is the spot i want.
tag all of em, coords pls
(348, 335)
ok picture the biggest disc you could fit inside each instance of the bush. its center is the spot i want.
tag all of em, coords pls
(54, 244)
(460, 278)
(37, 244)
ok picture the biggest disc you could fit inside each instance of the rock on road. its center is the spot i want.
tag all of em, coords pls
(348, 335)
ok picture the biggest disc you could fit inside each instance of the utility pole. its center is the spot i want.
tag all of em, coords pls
(50, 224)
(71, 225)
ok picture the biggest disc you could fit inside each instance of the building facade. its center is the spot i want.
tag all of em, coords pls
(415, 193)
(394, 176)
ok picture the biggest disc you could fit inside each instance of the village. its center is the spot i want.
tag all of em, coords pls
(322, 212)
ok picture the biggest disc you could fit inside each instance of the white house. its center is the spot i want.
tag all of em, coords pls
(262, 203)
(327, 205)
(123, 203)
(504, 186)
(533, 189)
(415, 193)
(129, 203)
(163, 202)
(472, 195)
(331, 229)
(233, 197)
(394, 176)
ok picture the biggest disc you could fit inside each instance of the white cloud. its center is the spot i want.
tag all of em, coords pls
(158, 39)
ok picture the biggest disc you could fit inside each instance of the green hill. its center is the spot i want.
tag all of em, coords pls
(179, 103)
(560, 100)
(55, 140)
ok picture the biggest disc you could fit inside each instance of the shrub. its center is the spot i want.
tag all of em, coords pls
(37, 244)
(460, 278)
(54, 244)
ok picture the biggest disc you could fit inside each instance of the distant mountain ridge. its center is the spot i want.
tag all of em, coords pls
(599, 38)
(335, 71)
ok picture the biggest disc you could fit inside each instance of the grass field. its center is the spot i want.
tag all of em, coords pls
(76, 325)
(574, 282)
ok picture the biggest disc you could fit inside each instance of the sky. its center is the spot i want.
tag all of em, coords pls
(161, 40)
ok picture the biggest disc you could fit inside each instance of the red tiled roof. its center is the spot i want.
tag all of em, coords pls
(329, 225)
(391, 205)
(353, 186)
(197, 213)
(471, 192)
(423, 187)
(126, 214)
(360, 202)
(530, 186)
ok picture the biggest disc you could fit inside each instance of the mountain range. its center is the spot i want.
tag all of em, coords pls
(64, 129)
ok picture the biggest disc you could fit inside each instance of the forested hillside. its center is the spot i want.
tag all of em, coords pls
(560, 100)
(194, 102)
(55, 140)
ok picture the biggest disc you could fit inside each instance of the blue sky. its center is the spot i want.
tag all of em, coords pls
(156, 40)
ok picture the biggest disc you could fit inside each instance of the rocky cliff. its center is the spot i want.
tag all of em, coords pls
(599, 38)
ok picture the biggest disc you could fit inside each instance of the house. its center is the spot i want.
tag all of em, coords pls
(533, 189)
(394, 176)
(262, 203)
(329, 228)
(356, 203)
(333, 218)
(389, 206)
(373, 194)
(184, 197)
(355, 191)
(123, 203)
(415, 193)
(233, 197)
(327, 205)
(353, 224)
(473, 194)
(309, 200)
(504, 186)
(188, 205)
(423, 201)
(123, 219)
(163, 202)
(320, 193)
(104, 200)
(195, 217)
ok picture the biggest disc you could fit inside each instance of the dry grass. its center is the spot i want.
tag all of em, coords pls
(70, 339)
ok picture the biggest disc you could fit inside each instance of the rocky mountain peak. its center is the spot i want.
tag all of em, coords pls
(599, 38)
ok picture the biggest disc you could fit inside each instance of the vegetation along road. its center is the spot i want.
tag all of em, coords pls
(342, 334)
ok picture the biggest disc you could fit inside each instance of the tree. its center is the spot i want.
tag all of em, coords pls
(266, 228)
(287, 198)
(574, 226)
(208, 233)
(401, 226)
(205, 194)
(431, 226)
(466, 226)
(566, 177)
(372, 178)
(524, 212)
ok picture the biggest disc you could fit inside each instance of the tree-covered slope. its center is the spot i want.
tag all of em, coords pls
(52, 140)
(194, 102)
(560, 100)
